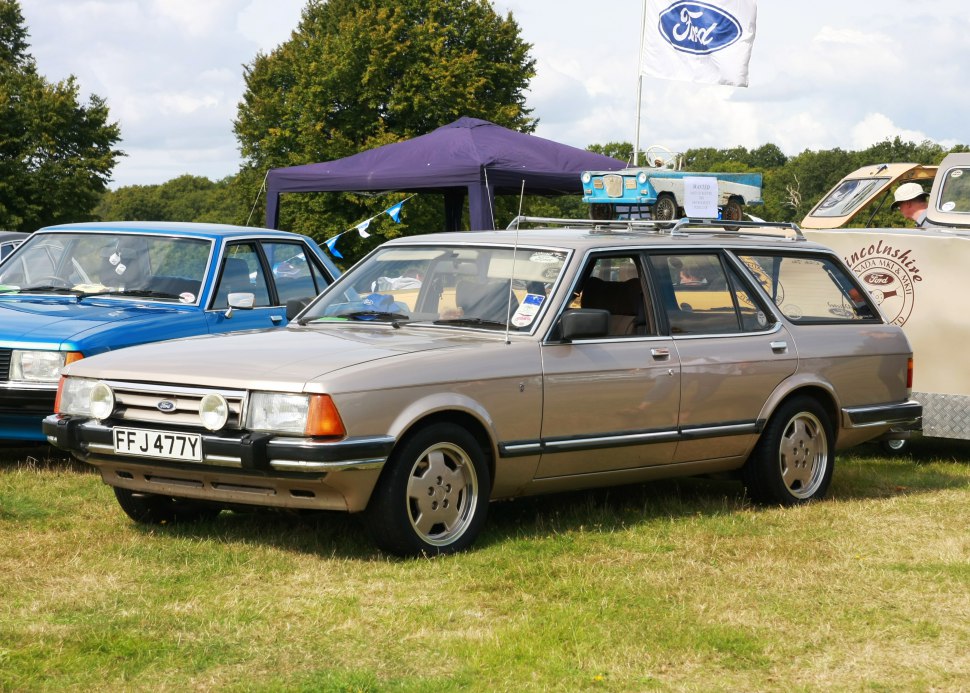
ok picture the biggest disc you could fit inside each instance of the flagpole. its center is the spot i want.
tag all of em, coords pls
(643, 31)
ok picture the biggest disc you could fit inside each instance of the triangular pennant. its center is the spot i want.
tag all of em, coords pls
(362, 228)
(331, 244)
(395, 212)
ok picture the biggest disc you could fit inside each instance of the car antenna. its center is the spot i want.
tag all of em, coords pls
(515, 252)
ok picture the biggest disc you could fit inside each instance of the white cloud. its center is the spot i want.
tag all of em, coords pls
(876, 127)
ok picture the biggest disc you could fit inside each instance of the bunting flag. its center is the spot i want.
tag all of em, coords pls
(331, 244)
(699, 41)
(394, 212)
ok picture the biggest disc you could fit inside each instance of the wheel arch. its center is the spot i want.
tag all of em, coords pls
(824, 396)
(464, 419)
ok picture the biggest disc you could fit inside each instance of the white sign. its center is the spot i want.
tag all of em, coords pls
(700, 196)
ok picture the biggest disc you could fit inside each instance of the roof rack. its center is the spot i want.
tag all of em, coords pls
(671, 227)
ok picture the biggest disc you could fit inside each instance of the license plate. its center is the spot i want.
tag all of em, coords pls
(170, 446)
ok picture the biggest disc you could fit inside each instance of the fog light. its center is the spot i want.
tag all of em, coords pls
(102, 401)
(214, 411)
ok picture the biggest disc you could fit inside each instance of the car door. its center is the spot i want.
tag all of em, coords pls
(610, 403)
(242, 271)
(733, 352)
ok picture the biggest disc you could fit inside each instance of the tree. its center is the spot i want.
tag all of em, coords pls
(358, 74)
(56, 155)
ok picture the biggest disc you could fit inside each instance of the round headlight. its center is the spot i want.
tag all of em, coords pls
(214, 411)
(586, 177)
(102, 401)
(642, 177)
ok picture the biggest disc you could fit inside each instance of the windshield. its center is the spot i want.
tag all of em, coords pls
(461, 285)
(848, 196)
(86, 263)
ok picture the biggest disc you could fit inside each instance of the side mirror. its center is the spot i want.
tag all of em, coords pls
(242, 300)
(295, 306)
(585, 323)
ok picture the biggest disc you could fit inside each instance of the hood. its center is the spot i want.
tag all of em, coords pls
(284, 359)
(55, 322)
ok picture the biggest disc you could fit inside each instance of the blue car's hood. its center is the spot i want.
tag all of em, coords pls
(89, 324)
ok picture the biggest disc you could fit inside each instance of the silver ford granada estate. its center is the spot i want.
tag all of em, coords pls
(447, 370)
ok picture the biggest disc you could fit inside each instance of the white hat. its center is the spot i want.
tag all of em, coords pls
(906, 192)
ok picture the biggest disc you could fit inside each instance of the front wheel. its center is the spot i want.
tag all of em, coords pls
(149, 508)
(665, 208)
(433, 496)
(793, 462)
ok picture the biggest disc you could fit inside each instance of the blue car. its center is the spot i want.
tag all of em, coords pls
(76, 290)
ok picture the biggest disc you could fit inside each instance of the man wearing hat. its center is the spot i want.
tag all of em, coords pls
(911, 202)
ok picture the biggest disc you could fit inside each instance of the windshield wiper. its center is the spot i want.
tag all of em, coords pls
(363, 315)
(147, 293)
(50, 289)
(470, 321)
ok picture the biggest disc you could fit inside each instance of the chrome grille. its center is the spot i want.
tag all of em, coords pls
(5, 364)
(614, 185)
(139, 403)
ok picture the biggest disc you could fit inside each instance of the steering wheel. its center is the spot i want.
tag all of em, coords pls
(659, 156)
(52, 280)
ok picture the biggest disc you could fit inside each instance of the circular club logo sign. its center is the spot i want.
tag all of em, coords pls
(889, 274)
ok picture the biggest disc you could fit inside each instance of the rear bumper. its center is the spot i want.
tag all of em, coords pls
(254, 469)
(899, 416)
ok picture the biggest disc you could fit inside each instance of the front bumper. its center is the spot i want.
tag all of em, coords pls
(247, 468)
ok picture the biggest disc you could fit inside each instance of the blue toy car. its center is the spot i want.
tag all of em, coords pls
(76, 290)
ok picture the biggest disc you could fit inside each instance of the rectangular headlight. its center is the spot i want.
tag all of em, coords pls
(75, 396)
(33, 366)
(302, 415)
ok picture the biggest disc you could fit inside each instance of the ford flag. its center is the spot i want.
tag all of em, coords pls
(707, 42)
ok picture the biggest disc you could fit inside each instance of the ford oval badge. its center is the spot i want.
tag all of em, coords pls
(166, 406)
(699, 28)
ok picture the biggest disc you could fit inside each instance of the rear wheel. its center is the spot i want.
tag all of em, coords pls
(665, 208)
(149, 508)
(894, 447)
(794, 460)
(732, 211)
(433, 496)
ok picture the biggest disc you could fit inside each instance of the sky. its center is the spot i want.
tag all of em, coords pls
(823, 74)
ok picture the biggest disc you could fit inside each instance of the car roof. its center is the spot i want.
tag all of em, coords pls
(13, 235)
(588, 235)
(180, 228)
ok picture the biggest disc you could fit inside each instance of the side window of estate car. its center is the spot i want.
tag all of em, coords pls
(701, 295)
(811, 288)
(614, 284)
(241, 272)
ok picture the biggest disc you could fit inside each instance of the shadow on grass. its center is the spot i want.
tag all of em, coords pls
(860, 475)
(41, 457)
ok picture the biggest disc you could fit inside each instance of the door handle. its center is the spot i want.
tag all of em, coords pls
(660, 354)
(277, 319)
(779, 347)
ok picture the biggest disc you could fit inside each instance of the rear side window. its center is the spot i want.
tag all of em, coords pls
(810, 289)
(701, 295)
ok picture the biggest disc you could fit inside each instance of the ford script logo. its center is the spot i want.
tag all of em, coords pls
(166, 406)
(878, 279)
(699, 28)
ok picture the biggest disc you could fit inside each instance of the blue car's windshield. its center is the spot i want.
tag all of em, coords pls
(92, 263)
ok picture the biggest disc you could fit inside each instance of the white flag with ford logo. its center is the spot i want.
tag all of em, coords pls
(707, 42)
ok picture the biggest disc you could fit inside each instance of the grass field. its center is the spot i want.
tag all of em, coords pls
(678, 585)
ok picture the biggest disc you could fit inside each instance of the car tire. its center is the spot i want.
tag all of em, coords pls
(152, 509)
(665, 208)
(432, 497)
(732, 211)
(894, 447)
(793, 461)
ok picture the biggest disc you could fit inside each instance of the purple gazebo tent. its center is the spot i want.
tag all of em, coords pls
(469, 156)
